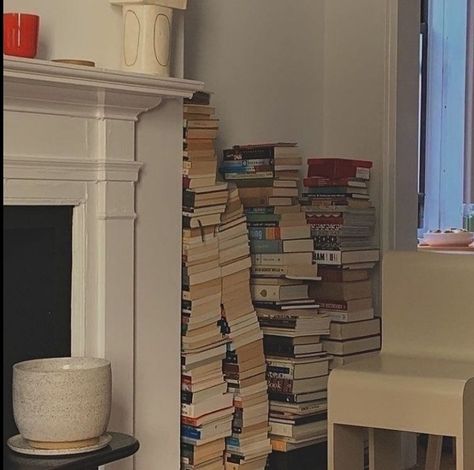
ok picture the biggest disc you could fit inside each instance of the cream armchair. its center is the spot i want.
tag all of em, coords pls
(423, 380)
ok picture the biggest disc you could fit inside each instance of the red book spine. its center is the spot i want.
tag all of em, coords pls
(339, 168)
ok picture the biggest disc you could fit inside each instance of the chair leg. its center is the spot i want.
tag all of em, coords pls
(465, 442)
(433, 452)
(465, 452)
(385, 449)
(345, 447)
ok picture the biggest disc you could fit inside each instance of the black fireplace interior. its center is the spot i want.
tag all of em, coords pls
(37, 250)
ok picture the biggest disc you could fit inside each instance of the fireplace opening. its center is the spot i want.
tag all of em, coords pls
(37, 253)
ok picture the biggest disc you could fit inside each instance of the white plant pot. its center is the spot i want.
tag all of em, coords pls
(62, 402)
(147, 39)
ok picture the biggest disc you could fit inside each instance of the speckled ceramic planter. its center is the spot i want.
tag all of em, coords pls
(62, 402)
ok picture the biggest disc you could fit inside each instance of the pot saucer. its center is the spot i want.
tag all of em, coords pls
(20, 445)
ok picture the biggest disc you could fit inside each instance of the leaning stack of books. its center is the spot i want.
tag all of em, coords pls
(282, 264)
(337, 204)
(280, 239)
(206, 405)
(244, 364)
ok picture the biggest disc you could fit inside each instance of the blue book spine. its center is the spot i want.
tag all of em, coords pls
(257, 233)
(264, 233)
(190, 432)
(232, 441)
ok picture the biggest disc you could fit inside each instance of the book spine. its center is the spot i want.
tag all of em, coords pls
(232, 441)
(266, 246)
(190, 432)
(330, 257)
(330, 190)
(334, 305)
(189, 421)
(340, 316)
(279, 446)
(253, 162)
(259, 210)
(269, 270)
(317, 221)
(281, 429)
(237, 175)
(338, 197)
(269, 259)
(262, 218)
(275, 371)
(285, 397)
(186, 397)
(264, 233)
(237, 153)
(280, 384)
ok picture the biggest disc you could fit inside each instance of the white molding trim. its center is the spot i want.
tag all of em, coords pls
(46, 87)
(39, 167)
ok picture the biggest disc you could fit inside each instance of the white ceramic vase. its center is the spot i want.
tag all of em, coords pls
(62, 402)
(147, 39)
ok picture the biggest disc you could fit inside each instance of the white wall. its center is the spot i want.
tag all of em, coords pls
(86, 29)
(311, 71)
(263, 61)
(354, 77)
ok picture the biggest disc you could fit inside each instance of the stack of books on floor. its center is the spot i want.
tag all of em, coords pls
(282, 266)
(337, 204)
(206, 405)
(244, 365)
(297, 373)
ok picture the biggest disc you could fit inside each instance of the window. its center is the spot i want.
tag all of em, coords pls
(444, 163)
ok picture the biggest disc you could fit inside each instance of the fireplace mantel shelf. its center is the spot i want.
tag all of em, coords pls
(41, 86)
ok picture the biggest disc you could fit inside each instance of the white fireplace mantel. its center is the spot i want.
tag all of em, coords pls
(69, 139)
(41, 86)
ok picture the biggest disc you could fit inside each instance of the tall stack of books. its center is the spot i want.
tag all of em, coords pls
(282, 265)
(337, 204)
(244, 365)
(206, 405)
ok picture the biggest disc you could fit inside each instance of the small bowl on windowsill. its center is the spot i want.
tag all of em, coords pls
(454, 238)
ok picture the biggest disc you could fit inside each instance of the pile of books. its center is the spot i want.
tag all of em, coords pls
(267, 176)
(206, 405)
(200, 129)
(338, 209)
(244, 365)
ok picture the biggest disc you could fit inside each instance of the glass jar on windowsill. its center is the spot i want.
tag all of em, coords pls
(468, 217)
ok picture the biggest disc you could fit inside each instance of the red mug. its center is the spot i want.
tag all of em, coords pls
(20, 34)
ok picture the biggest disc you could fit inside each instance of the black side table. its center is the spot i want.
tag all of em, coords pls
(121, 446)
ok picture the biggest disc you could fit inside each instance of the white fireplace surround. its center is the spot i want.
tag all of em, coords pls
(70, 140)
